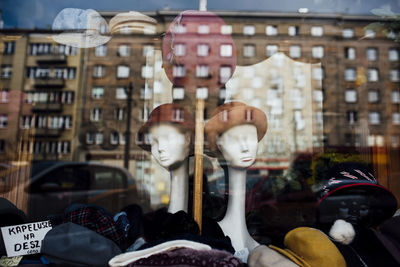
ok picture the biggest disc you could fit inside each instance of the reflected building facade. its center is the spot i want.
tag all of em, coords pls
(324, 81)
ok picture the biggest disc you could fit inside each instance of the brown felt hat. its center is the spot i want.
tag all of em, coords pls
(166, 113)
(229, 115)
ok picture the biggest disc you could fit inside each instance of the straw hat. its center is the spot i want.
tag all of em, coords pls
(134, 22)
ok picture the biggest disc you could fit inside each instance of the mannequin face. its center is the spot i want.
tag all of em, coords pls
(238, 145)
(169, 145)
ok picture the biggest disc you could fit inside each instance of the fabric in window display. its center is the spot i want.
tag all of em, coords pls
(96, 219)
(130, 257)
(70, 244)
(189, 257)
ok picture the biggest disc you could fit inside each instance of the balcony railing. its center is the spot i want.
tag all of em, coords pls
(49, 82)
(49, 107)
(51, 59)
(45, 132)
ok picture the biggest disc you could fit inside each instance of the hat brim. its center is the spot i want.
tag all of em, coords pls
(291, 255)
(81, 40)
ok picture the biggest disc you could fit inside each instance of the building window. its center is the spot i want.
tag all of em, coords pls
(372, 75)
(67, 97)
(226, 29)
(317, 31)
(179, 49)
(114, 138)
(374, 118)
(9, 48)
(202, 71)
(394, 75)
(178, 71)
(395, 96)
(202, 93)
(95, 114)
(122, 139)
(348, 33)
(225, 73)
(350, 53)
(295, 51)
(122, 71)
(271, 49)
(203, 50)
(318, 73)
(144, 114)
(146, 93)
(6, 71)
(99, 138)
(148, 50)
(317, 51)
(40, 49)
(178, 93)
(293, 30)
(97, 92)
(249, 30)
(4, 96)
(101, 51)
(124, 50)
(147, 72)
(225, 50)
(372, 54)
(369, 33)
(350, 96)
(249, 50)
(271, 30)
(119, 114)
(27, 122)
(203, 29)
(180, 29)
(352, 117)
(393, 54)
(3, 121)
(120, 93)
(89, 138)
(99, 71)
(373, 96)
(396, 118)
(350, 75)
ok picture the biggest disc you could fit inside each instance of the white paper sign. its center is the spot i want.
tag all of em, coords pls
(24, 239)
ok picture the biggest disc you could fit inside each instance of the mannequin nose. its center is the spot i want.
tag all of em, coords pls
(161, 145)
(244, 144)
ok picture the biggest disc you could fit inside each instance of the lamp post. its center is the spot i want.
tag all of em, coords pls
(128, 125)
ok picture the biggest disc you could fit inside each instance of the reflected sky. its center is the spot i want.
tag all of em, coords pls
(41, 13)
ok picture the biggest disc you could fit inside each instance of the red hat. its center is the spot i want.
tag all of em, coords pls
(166, 113)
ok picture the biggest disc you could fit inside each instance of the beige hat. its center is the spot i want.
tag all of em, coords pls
(229, 115)
(263, 256)
(132, 22)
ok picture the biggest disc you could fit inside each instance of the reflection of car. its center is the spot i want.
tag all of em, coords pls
(53, 188)
(275, 206)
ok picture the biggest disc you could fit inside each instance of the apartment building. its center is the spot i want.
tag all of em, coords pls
(40, 82)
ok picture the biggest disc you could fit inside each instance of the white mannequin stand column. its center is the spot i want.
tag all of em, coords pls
(171, 148)
(238, 145)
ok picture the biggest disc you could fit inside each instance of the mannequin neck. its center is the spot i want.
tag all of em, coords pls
(234, 222)
(237, 195)
(179, 188)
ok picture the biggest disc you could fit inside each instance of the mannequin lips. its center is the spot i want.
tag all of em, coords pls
(246, 159)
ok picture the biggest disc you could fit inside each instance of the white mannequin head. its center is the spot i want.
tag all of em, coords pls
(169, 145)
(238, 145)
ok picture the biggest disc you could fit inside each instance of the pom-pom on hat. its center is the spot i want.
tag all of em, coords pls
(166, 113)
(229, 115)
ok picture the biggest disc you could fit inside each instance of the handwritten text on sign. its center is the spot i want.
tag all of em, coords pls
(24, 239)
